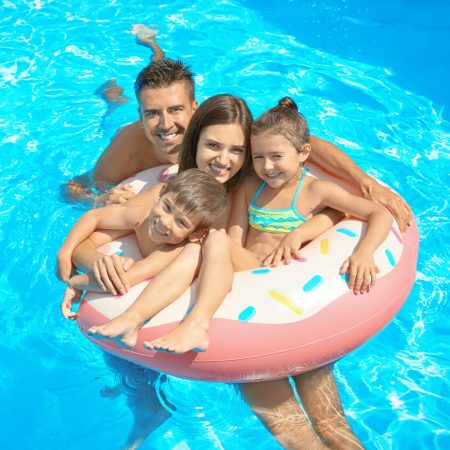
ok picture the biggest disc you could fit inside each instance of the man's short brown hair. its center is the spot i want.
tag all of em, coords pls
(198, 194)
(163, 73)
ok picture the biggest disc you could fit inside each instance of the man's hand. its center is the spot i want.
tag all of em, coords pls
(286, 250)
(110, 273)
(118, 195)
(394, 203)
(71, 296)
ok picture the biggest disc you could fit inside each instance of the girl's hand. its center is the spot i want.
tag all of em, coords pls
(110, 273)
(286, 250)
(71, 296)
(361, 271)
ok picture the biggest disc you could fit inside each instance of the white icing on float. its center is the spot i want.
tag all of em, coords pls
(275, 322)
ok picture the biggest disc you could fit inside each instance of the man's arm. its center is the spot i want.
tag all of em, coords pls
(337, 163)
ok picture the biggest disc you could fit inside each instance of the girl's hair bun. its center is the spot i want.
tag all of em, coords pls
(287, 102)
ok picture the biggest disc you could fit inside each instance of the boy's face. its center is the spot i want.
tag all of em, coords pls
(167, 224)
(165, 114)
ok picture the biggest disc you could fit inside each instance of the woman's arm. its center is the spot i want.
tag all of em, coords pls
(238, 221)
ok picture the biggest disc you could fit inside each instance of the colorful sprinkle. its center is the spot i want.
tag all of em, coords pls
(324, 246)
(344, 277)
(260, 271)
(390, 257)
(119, 252)
(247, 314)
(163, 175)
(397, 235)
(286, 301)
(347, 232)
(313, 283)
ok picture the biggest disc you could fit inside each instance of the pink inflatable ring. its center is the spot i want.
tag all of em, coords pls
(275, 322)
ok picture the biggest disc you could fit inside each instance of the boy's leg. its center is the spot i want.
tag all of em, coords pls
(214, 283)
(167, 286)
(320, 397)
(274, 402)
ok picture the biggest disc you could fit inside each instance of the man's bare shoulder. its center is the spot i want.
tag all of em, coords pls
(126, 154)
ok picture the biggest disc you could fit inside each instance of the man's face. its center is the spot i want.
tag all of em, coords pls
(165, 114)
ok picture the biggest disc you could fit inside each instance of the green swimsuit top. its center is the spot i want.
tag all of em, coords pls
(280, 221)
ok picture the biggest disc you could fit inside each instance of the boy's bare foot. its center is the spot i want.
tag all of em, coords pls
(187, 336)
(123, 330)
(143, 34)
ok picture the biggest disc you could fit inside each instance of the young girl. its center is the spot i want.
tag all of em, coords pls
(270, 207)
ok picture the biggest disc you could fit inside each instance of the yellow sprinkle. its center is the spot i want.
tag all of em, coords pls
(324, 246)
(286, 301)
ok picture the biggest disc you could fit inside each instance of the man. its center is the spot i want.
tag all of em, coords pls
(166, 96)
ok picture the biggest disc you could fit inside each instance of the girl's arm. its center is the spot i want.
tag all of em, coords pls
(361, 266)
(290, 245)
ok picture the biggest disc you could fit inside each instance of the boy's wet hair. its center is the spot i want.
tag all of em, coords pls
(198, 194)
(286, 120)
(163, 73)
(223, 109)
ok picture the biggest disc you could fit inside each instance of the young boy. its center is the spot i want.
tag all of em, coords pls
(181, 212)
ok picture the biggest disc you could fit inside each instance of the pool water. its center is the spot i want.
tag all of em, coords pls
(59, 391)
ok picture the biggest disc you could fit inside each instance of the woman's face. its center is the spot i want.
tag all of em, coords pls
(221, 151)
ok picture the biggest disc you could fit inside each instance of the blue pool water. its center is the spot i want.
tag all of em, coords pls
(385, 104)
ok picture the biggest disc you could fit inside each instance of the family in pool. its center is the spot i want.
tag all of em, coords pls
(240, 200)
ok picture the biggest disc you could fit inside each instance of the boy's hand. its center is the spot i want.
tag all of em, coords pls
(64, 267)
(71, 296)
(361, 271)
(110, 273)
(286, 250)
(119, 194)
(394, 203)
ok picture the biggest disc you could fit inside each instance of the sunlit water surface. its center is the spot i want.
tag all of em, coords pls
(56, 389)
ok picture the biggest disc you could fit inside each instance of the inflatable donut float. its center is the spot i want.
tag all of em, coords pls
(275, 322)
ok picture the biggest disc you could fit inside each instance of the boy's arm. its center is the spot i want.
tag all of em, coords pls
(112, 217)
(291, 243)
(140, 271)
(337, 163)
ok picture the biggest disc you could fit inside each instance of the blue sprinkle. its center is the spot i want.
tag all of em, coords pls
(313, 283)
(344, 277)
(347, 232)
(390, 257)
(260, 271)
(119, 252)
(247, 314)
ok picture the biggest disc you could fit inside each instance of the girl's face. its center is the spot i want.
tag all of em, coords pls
(221, 151)
(276, 160)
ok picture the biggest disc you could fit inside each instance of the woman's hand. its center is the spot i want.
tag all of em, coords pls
(361, 271)
(287, 249)
(110, 273)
